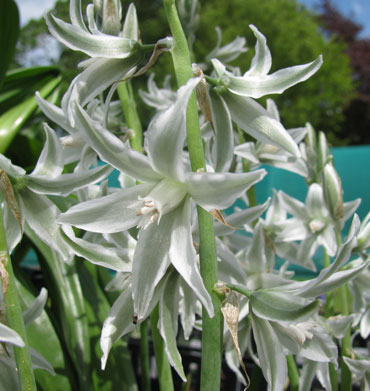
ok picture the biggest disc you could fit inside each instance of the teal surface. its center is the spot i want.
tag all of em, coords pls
(352, 164)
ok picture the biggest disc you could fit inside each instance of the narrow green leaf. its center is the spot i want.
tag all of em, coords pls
(13, 119)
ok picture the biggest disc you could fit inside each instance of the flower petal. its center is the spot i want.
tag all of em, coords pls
(102, 45)
(95, 253)
(276, 83)
(224, 140)
(117, 323)
(67, 183)
(219, 190)
(100, 74)
(166, 135)
(261, 62)
(259, 123)
(270, 354)
(100, 215)
(112, 150)
(50, 162)
(151, 260)
(35, 308)
(183, 256)
(8, 335)
(40, 214)
(168, 315)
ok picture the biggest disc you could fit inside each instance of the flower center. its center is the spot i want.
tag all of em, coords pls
(316, 225)
(165, 196)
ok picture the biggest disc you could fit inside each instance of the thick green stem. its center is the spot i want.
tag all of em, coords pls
(333, 377)
(212, 327)
(163, 366)
(125, 94)
(293, 373)
(15, 319)
(144, 356)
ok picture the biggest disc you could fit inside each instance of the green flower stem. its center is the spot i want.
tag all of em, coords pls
(144, 356)
(346, 376)
(163, 366)
(15, 319)
(333, 377)
(240, 289)
(125, 94)
(328, 312)
(293, 373)
(212, 328)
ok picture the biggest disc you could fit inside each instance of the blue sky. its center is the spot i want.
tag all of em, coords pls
(358, 9)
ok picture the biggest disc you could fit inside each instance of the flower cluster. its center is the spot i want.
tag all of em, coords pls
(147, 229)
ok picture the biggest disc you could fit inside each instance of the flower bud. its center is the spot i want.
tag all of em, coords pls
(333, 191)
(112, 12)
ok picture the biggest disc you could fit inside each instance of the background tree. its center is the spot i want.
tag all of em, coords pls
(357, 114)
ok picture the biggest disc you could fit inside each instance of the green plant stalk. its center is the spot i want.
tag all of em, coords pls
(163, 366)
(15, 319)
(144, 356)
(346, 376)
(211, 327)
(128, 105)
(333, 377)
(293, 373)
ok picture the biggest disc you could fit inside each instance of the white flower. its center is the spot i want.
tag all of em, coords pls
(30, 191)
(160, 205)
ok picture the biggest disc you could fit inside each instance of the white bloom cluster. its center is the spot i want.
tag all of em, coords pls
(147, 230)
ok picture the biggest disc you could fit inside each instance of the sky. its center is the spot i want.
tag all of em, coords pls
(359, 10)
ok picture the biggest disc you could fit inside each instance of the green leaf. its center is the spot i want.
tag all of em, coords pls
(12, 120)
(9, 31)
